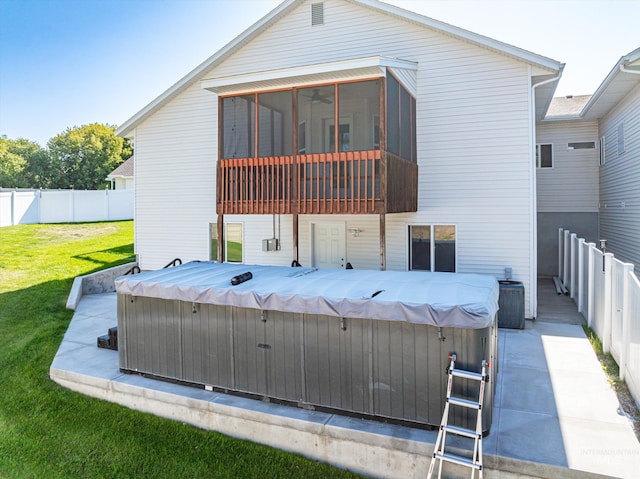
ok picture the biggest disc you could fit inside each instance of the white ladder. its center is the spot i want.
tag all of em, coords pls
(439, 454)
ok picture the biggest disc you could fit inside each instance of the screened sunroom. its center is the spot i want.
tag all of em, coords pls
(328, 141)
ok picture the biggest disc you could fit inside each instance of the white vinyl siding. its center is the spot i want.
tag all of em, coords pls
(474, 148)
(620, 181)
(572, 184)
(363, 251)
(176, 152)
(259, 227)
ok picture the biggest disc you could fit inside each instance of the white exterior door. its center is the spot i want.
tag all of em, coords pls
(328, 245)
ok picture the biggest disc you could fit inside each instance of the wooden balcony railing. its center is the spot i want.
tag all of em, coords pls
(359, 182)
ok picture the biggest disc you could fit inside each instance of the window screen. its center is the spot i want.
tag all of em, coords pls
(405, 125)
(393, 115)
(359, 107)
(316, 108)
(238, 126)
(401, 119)
(275, 124)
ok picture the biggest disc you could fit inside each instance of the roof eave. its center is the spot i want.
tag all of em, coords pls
(615, 71)
(127, 127)
(466, 35)
(540, 61)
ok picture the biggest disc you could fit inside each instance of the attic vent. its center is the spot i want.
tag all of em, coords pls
(317, 13)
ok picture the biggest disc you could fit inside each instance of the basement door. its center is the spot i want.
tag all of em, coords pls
(328, 245)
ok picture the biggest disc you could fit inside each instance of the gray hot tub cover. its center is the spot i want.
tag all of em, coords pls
(457, 300)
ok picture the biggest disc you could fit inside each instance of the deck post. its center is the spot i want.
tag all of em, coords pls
(295, 236)
(220, 238)
(383, 242)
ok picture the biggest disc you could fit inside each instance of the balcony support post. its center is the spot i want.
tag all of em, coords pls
(220, 238)
(295, 236)
(383, 242)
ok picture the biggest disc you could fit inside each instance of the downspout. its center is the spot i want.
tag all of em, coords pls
(135, 196)
(533, 247)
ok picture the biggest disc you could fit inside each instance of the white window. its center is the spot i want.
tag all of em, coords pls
(620, 138)
(544, 156)
(602, 147)
(582, 145)
(233, 243)
(213, 241)
(432, 248)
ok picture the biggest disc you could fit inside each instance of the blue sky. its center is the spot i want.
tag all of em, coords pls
(66, 63)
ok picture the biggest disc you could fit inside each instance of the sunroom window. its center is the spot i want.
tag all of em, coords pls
(238, 126)
(401, 120)
(275, 123)
(353, 106)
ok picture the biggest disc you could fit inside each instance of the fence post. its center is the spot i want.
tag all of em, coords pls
(626, 320)
(580, 275)
(106, 198)
(572, 281)
(565, 267)
(39, 203)
(606, 334)
(560, 251)
(591, 283)
(12, 205)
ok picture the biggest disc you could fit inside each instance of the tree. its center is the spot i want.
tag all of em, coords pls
(15, 158)
(82, 157)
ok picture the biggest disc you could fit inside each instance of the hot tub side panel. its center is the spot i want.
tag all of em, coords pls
(472, 346)
(267, 353)
(206, 339)
(408, 367)
(388, 369)
(149, 336)
(337, 363)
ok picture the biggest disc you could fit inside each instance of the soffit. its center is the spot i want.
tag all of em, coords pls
(348, 70)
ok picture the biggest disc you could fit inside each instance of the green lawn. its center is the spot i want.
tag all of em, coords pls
(48, 431)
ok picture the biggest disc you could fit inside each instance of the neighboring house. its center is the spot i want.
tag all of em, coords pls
(589, 168)
(122, 177)
(431, 165)
(567, 178)
(616, 106)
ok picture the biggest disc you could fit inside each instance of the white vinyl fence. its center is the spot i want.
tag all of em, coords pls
(64, 206)
(607, 293)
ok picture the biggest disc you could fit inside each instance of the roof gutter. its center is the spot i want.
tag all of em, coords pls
(624, 69)
(620, 66)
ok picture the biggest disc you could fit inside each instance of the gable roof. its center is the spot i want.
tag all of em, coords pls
(546, 64)
(565, 107)
(124, 169)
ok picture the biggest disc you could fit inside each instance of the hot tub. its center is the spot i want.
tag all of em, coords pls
(370, 343)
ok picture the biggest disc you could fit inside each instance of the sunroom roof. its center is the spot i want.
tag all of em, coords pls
(345, 70)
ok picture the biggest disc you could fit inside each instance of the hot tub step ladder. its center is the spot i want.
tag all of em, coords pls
(440, 455)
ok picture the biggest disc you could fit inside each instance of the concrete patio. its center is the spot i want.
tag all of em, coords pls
(555, 414)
